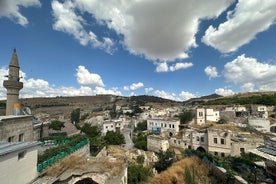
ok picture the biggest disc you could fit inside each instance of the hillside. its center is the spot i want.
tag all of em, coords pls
(263, 98)
(56, 106)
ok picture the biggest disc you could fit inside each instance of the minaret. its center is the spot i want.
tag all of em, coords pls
(12, 84)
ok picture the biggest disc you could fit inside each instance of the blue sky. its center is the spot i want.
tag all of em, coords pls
(176, 49)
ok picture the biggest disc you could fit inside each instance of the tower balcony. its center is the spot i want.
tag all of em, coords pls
(8, 84)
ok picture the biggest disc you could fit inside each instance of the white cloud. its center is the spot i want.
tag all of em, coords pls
(147, 90)
(211, 72)
(68, 21)
(85, 78)
(41, 88)
(184, 95)
(242, 25)
(179, 66)
(248, 72)
(163, 66)
(159, 30)
(134, 86)
(224, 92)
(247, 87)
(163, 94)
(11, 9)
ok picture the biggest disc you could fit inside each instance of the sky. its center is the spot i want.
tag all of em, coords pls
(177, 49)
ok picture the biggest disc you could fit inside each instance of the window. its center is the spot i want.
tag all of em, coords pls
(175, 141)
(165, 125)
(106, 127)
(21, 137)
(242, 151)
(21, 155)
(222, 141)
(170, 125)
(222, 154)
(178, 142)
(111, 126)
(200, 113)
(197, 138)
(173, 125)
(10, 139)
(215, 140)
(161, 124)
(215, 153)
(202, 139)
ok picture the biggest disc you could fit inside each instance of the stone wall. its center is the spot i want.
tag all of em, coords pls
(13, 126)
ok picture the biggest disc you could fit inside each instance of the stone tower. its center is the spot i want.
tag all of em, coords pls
(12, 84)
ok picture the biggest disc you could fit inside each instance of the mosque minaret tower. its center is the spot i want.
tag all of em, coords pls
(13, 85)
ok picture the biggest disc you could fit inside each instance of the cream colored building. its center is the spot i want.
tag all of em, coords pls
(16, 128)
(156, 143)
(200, 116)
(18, 162)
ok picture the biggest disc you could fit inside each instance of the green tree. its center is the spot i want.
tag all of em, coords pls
(75, 116)
(140, 141)
(186, 116)
(223, 119)
(56, 125)
(114, 138)
(165, 160)
(138, 174)
(91, 131)
(140, 159)
(141, 126)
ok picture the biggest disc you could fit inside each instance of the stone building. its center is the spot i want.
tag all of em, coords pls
(16, 128)
(156, 143)
(200, 116)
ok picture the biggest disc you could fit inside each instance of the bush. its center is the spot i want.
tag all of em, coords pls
(114, 138)
(138, 174)
(140, 141)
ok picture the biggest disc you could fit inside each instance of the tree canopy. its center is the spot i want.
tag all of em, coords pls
(56, 125)
(75, 116)
(91, 131)
(186, 116)
(114, 138)
(165, 160)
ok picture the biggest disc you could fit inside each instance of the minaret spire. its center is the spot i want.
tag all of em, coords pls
(13, 85)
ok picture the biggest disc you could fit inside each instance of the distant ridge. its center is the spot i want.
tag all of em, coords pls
(202, 99)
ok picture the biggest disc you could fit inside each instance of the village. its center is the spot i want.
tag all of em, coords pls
(222, 131)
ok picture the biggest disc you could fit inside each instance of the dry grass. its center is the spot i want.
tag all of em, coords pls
(176, 173)
(213, 125)
(70, 162)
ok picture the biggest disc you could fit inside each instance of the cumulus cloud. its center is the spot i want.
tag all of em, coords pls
(242, 25)
(224, 92)
(184, 95)
(251, 74)
(134, 86)
(211, 72)
(69, 21)
(11, 9)
(85, 78)
(147, 90)
(158, 30)
(163, 67)
(41, 88)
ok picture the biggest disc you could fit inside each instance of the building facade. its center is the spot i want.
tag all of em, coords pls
(165, 127)
(18, 162)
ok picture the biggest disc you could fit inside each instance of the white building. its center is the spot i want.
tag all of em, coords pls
(18, 162)
(167, 127)
(212, 115)
(115, 125)
(238, 108)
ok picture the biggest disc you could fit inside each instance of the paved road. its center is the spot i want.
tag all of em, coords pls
(129, 144)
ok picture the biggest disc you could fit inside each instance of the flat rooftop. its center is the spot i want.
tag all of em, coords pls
(9, 147)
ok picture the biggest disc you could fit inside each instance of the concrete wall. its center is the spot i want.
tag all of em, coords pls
(168, 127)
(13, 171)
(13, 126)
